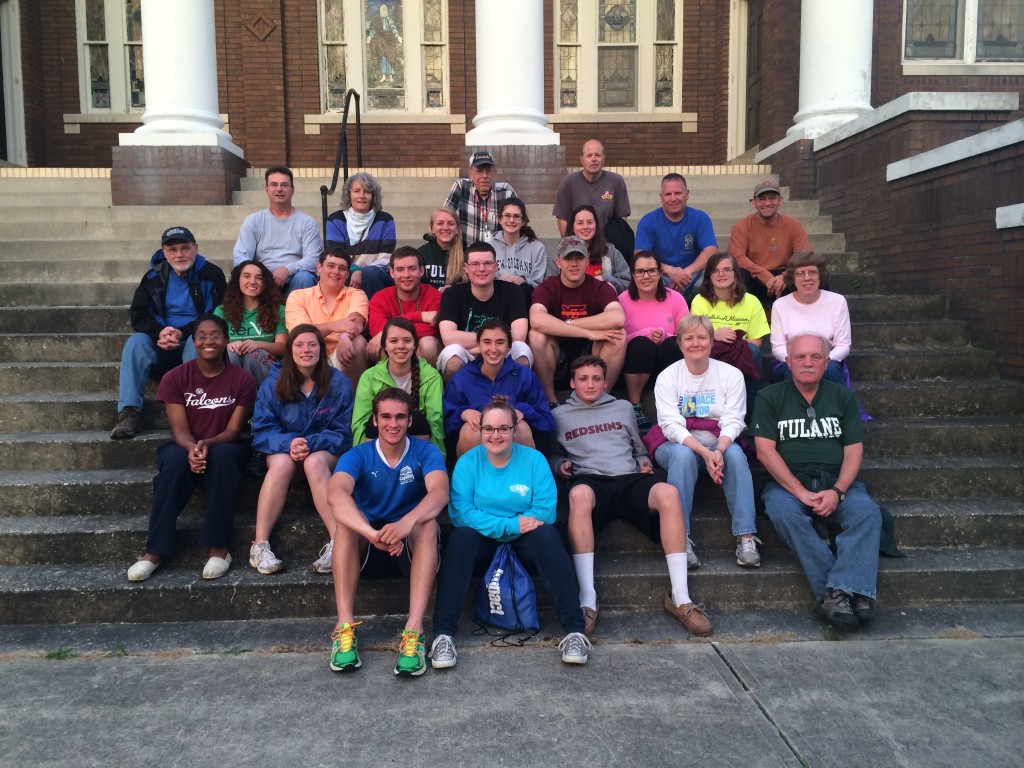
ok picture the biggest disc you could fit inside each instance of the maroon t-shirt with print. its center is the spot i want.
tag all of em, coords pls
(208, 403)
(585, 300)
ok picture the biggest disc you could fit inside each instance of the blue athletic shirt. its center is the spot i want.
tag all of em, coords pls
(386, 494)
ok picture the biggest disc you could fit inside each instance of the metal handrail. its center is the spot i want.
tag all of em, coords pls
(342, 155)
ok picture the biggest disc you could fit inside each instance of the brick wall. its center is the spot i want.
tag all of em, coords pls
(933, 232)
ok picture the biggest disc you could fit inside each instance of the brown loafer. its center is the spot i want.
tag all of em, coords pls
(691, 616)
(590, 620)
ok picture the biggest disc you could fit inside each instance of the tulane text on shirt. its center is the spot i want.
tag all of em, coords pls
(593, 429)
(198, 399)
(825, 427)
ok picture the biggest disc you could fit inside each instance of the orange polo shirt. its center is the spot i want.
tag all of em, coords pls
(308, 306)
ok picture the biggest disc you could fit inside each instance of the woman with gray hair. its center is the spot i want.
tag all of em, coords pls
(364, 232)
(701, 402)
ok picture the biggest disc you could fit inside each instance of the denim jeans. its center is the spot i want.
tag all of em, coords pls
(140, 358)
(683, 466)
(854, 568)
(541, 551)
(301, 279)
(375, 278)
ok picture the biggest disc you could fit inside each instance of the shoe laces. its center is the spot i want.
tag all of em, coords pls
(749, 544)
(345, 636)
(442, 647)
(407, 646)
(575, 643)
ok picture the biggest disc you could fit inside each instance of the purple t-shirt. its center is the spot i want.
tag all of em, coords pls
(209, 403)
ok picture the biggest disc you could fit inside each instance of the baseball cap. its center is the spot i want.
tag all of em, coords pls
(569, 246)
(176, 233)
(766, 186)
(481, 158)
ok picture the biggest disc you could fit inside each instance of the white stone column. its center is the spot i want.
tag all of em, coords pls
(179, 52)
(510, 75)
(835, 64)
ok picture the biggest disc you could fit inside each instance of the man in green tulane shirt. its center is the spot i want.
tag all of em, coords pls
(809, 437)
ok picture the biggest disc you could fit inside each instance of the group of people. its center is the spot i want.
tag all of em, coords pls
(382, 371)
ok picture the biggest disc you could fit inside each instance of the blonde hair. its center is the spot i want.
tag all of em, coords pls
(456, 256)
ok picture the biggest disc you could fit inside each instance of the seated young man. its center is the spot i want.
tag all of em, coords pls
(417, 302)
(385, 495)
(609, 475)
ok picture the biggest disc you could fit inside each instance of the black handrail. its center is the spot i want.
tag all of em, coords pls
(342, 155)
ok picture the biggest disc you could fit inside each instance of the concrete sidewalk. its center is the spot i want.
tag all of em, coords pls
(772, 697)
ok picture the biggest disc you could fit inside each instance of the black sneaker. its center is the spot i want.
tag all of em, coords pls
(835, 608)
(863, 608)
(257, 465)
(128, 425)
(642, 421)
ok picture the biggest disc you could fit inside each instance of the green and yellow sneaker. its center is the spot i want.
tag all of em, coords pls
(411, 659)
(345, 652)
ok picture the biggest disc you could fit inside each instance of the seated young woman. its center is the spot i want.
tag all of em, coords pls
(302, 423)
(652, 313)
(254, 311)
(208, 401)
(492, 373)
(502, 492)
(737, 317)
(404, 369)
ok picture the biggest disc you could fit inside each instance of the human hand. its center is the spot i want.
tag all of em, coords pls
(565, 469)
(281, 276)
(527, 524)
(355, 279)
(169, 338)
(776, 285)
(197, 457)
(715, 463)
(726, 334)
(299, 449)
(645, 467)
(345, 351)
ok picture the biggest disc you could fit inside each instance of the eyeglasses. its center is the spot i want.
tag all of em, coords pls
(801, 273)
(810, 413)
(723, 271)
(504, 429)
(479, 264)
(651, 272)
(511, 216)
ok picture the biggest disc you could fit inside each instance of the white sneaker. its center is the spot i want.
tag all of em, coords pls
(323, 563)
(692, 562)
(574, 647)
(746, 551)
(142, 570)
(262, 558)
(442, 653)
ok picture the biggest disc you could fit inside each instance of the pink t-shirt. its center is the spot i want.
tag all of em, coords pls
(208, 403)
(642, 317)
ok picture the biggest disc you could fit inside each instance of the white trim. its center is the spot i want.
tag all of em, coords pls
(796, 135)
(1010, 216)
(919, 68)
(964, 149)
(14, 91)
(920, 101)
(736, 136)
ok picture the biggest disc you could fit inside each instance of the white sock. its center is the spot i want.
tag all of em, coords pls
(585, 576)
(677, 576)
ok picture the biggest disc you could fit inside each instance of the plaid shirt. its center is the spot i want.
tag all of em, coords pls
(477, 217)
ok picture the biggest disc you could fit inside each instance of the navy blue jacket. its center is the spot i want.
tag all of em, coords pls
(469, 388)
(206, 286)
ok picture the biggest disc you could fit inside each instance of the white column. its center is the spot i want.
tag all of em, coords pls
(835, 64)
(510, 75)
(179, 53)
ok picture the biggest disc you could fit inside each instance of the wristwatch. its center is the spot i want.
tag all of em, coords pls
(840, 494)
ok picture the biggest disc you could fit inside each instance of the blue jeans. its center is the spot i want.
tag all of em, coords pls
(540, 550)
(683, 466)
(298, 281)
(140, 358)
(854, 568)
(374, 279)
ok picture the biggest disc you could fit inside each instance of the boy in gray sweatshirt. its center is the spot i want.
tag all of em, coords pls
(609, 475)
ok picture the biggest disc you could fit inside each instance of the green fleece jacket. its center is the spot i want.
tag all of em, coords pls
(377, 378)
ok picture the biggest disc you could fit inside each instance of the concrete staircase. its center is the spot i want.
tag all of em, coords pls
(945, 453)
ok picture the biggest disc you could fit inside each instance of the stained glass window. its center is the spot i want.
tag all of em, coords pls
(1000, 24)
(932, 27)
(332, 27)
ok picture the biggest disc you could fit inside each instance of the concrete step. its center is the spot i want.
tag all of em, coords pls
(65, 594)
(946, 436)
(961, 397)
(36, 378)
(880, 307)
(118, 538)
(73, 319)
(79, 450)
(62, 347)
(83, 294)
(908, 364)
(909, 334)
(42, 412)
(943, 477)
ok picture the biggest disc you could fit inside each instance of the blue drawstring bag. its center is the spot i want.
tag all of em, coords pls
(507, 599)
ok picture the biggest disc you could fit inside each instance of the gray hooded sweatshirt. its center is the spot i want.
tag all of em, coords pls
(599, 439)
